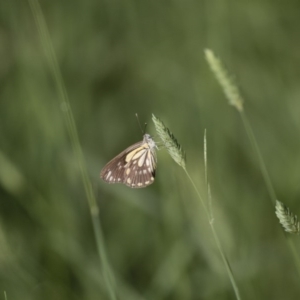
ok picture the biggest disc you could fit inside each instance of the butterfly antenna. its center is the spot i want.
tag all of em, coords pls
(143, 131)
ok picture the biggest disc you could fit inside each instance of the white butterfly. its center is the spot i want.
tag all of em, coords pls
(135, 166)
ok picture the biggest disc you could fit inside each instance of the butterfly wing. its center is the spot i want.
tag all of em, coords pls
(113, 171)
(140, 167)
(135, 166)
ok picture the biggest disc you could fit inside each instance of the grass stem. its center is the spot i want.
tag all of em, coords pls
(73, 133)
(261, 162)
(232, 93)
(178, 154)
(217, 240)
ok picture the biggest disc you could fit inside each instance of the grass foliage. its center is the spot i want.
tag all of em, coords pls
(287, 219)
(170, 142)
(72, 77)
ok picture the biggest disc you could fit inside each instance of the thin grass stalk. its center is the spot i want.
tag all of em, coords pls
(177, 153)
(294, 252)
(235, 98)
(211, 223)
(205, 158)
(261, 162)
(217, 240)
(73, 133)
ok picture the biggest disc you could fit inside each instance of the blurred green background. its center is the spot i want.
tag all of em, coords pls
(119, 58)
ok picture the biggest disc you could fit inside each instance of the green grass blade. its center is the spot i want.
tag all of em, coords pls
(177, 153)
(72, 130)
(234, 98)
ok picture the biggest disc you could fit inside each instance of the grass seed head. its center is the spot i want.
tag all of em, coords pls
(226, 81)
(170, 142)
(287, 219)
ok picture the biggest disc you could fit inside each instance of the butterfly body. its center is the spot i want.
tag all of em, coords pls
(135, 166)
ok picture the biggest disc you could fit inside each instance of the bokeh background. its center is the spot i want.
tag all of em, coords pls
(119, 58)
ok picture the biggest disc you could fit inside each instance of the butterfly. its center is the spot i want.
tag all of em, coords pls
(135, 166)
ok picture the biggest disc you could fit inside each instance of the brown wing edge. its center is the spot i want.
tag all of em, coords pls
(113, 166)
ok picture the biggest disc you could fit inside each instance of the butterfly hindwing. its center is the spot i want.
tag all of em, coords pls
(140, 169)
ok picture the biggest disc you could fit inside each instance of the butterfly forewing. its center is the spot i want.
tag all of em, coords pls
(134, 167)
